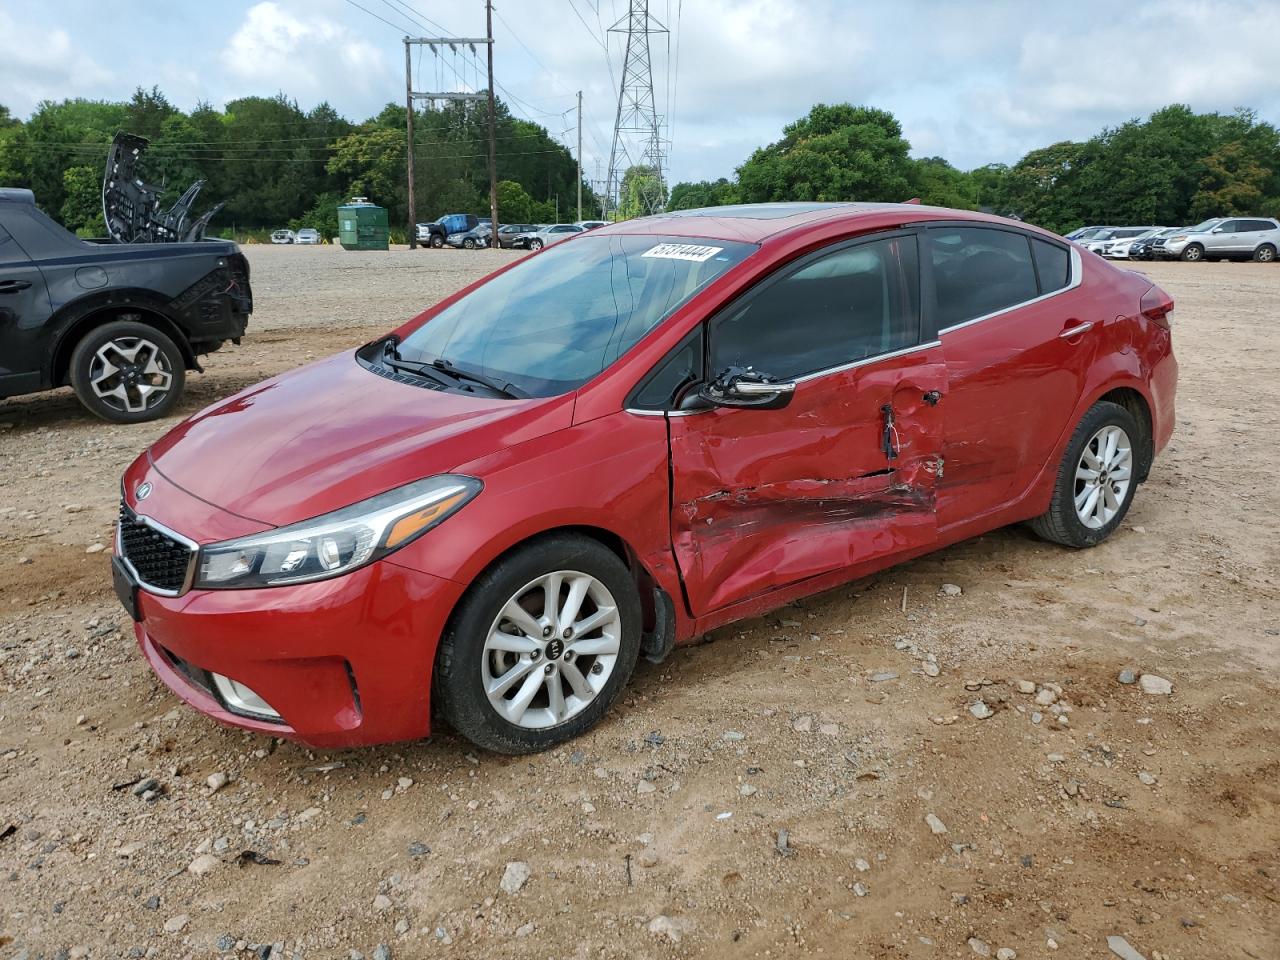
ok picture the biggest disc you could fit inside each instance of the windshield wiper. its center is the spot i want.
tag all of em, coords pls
(503, 389)
(391, 358)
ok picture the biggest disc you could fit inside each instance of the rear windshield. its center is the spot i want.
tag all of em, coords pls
(553, 322)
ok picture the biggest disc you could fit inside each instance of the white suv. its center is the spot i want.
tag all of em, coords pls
(1225, 238)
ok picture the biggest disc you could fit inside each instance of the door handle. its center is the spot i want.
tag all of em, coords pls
(13, 286)
(1076, 330)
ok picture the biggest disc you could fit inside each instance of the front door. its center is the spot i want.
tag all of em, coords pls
(844, 473)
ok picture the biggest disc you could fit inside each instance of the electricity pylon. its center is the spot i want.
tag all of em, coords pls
(637, 111)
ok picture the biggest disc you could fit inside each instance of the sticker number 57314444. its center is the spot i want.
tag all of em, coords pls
(696, 252)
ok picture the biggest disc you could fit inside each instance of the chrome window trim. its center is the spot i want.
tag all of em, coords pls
(158, 526)
(826, 372)
(1077, 277)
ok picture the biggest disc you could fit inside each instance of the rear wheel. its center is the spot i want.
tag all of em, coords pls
(127, 372)
(1265, 253)
(540, 647)
(1194, 253)
(1096, 479)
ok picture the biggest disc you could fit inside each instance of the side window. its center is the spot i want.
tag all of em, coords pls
(1053, 265)
(978, 271)
(1231, 226)
(852, 304)
(1257, 225)
(662, 388)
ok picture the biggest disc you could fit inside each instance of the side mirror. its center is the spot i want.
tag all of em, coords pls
(1217, 229)
(746, 387)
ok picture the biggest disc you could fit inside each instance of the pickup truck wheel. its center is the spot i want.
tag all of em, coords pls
(127, 372)
(540, 647)
(437, 241)
(1265, 253)
(1096, 479)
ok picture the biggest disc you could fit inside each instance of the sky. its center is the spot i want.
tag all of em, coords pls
(974, 81)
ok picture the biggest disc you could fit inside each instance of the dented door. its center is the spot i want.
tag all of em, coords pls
(843, 475)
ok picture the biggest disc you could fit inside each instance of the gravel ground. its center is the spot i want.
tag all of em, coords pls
(815, 782)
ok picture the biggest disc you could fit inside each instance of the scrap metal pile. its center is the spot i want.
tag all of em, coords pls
(131, 207)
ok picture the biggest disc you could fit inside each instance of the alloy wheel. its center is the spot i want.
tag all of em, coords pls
(551, 649)
(130, 374)
(1103, 476)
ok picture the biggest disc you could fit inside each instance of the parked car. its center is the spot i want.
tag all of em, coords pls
(1143, 248)
(1225, 238)
(307, 235)
(622, 443)
(1085, 233)
(553, 234)
(515, 235)
(475, 239)
(435, 234)
(1119, 249)
(120, 323)
(1102, 242)
(592, 224)
(283, 236)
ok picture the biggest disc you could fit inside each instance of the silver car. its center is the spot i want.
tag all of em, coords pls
(1101, 243)
(554, 234)
(1225, 238)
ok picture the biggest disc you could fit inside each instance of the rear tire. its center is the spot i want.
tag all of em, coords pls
(1085, 511)
(1193, 253)
(499, 630)
(127, 372)
(1265, 254)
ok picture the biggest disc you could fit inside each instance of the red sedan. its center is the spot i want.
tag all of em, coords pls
(623, 442)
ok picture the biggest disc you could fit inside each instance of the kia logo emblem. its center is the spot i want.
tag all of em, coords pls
(143, 491)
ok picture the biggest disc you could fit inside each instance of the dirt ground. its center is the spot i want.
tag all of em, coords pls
(764, 794)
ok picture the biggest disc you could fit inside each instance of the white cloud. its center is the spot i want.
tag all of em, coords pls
(310, 59)
(42, 64)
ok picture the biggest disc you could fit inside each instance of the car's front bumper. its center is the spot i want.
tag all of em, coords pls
(343, 662)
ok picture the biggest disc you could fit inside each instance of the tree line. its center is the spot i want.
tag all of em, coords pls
(1176, 167)
(275, 165)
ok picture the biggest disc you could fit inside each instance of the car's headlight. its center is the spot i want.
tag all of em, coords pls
(1181, 236)
(336, 543)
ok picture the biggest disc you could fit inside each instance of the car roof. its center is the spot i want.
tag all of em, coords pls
(16, 195)
(756, 222)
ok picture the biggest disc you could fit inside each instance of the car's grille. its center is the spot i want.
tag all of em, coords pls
(160, 561)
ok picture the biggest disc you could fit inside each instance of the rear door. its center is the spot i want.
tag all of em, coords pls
(842, 475)
(24, 312)
(1019, 334)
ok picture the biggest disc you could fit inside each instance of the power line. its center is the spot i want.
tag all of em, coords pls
(376, 16)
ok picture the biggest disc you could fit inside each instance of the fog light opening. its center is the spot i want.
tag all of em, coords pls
(242, 700)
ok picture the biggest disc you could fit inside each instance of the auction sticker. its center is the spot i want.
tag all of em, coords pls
(682, 251)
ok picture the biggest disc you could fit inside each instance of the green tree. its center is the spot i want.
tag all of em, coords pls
(839, 152)
(704, 193)
(640, 192)
(323, 216)
(938, 183)
(514, 204)
(82, 201)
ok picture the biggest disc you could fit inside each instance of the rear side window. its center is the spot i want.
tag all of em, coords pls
(851, 304)
(1254, 225)
(978, 271)
(1053, 265)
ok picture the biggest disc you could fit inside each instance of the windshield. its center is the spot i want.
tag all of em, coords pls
(1205, 227)
(555, 321)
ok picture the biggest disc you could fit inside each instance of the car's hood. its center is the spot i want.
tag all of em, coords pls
(331, 433)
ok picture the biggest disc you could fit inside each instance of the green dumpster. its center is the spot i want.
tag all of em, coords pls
(362, 225)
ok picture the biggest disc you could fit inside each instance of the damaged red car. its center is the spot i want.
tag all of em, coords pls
(620, 443)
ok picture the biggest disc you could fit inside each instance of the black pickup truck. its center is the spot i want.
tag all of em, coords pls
(121, 323)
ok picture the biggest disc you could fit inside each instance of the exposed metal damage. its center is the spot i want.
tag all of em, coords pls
(131, 207)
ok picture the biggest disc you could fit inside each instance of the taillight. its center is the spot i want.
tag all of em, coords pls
(1157, 306)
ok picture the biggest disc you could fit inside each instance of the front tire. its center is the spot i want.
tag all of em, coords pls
(1096, 479)
(437, 241)
(535, 244)
(1194, 253)
(1265, 254)
(540, 647)
(469, 244)
(127, 372)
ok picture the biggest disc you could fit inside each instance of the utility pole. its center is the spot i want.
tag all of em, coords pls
(637, 110)
(493, 134)
(408, 102)
(579, 155)
(413, 96)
